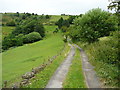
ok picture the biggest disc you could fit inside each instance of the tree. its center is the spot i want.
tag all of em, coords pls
(59, 22)
(16, 14)
(33, 14)
(28, 14)
(24, 16)
(11, 23)
(40, 29)
(47, 16)
(71, 18)
(28, 26)
(80, 15)
(115, 4)
(12, 40)
(62, 14)
(95, 24)
(19, 40)
(64, 29)
(65, 23)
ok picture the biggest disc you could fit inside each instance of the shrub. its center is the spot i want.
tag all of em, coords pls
(94, 24)
(11, 40)
(28, 26)
(7, 42)
(19, 40)
(56, 30)
(40, 29)
(16, 14)
(59, 22)
(11, 23)
(71, 18)
(64, 28)
(73, 34)
(65, 40)
(32, 37)
(47, 17)
(2, 24)
(65, 23)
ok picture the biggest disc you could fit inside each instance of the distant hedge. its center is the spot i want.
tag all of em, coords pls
(13, 41)
(28, 26)
(11, 23)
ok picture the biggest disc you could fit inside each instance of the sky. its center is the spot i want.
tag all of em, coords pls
(52, 7)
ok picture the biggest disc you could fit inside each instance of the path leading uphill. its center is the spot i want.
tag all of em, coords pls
(60, 74)
(92, 81)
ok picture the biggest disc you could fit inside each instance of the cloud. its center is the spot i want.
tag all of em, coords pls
(52, 6)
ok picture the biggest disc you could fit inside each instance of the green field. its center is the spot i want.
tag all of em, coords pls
(6, 18)
(42, 78)
(55, 18)
(22, 59)
(6, 30)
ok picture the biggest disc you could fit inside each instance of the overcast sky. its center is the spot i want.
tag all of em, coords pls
(52, 7)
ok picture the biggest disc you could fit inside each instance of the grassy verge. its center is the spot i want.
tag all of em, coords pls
(42, 78)
(104, 56)
(75, 77)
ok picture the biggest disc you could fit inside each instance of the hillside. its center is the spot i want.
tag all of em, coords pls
(40, 49)
(17, 61)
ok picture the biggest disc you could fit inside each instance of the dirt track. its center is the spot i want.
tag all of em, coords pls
(92, 81)
(60, 74)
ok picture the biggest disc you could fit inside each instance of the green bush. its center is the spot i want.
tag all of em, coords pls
(65, 40)
(63, 28)
(32, 37)
(11, 41)
(71, 18)
(11, 23)
(61, 22)
(47, 17)
(65, 23)
(19, 40)
(73, 33)
(28, 26)
(7, 42)
(95, 24)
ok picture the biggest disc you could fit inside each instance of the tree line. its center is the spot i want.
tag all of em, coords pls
(89, 27)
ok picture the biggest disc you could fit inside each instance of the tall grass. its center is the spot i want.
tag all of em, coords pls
(104, 56)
